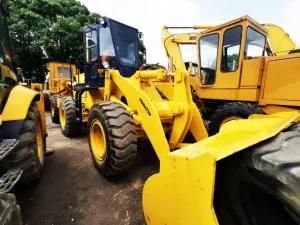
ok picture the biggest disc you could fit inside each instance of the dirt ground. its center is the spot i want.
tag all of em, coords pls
(72, 192)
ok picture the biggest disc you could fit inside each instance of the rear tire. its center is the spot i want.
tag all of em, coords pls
(30, 152)
(112, 138)
(47, 103)
(261, 186)
(69, 124)
(230, 111)
(54, 110)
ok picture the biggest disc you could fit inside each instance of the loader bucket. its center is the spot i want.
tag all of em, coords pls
(183, 191)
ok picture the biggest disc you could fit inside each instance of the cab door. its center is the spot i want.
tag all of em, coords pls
(230, 58)
(221, 58)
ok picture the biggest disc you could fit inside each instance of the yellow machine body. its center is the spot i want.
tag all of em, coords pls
(160, 102)
(161, 106)
(184, 187)
(60, 84)
(266, 80)
(60, 77)
(19, 98)
(34, 92)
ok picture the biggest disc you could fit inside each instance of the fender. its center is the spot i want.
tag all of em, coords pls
(15, 111)
(18, 102)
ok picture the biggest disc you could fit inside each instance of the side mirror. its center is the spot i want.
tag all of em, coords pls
(103, 22)
(20, 76)
(141, 35)
(16, 60)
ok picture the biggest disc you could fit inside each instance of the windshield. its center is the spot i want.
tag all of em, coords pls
(255, 43)
(63, 72)
(126, 44)
(91, 45)
(208, 58)
(106, 44)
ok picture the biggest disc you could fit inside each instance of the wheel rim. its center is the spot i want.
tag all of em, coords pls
(97, 139)
(230, 118)
(62, 117)
(39, 142)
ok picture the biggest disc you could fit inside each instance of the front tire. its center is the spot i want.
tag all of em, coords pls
(231, 111)
(112, 138)
(30, 152)
(69, 124)
(261, 186)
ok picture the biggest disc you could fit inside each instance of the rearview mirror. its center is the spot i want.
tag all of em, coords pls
(16, 60)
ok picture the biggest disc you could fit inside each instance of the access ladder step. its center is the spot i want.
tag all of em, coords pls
(6, 146)
(9, 179)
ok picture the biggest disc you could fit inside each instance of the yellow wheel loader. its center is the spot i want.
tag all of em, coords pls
(242, 68)
(61, 79)
(248, 173)
(59, 83)
(22, 130)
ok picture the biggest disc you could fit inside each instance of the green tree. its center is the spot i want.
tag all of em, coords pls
(49, 30)
(45, 30)
(142, 52)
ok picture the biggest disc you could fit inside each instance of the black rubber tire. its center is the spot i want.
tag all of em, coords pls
(72, 126)
(261, 185)
(239, 109)
(54, 109)
(120, 136)
(10, 213)
(47, 103)
(25, 156)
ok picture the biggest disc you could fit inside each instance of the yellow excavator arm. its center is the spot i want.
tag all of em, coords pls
(280, 41)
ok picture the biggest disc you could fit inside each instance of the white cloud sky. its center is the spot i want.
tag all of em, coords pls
(150, 15)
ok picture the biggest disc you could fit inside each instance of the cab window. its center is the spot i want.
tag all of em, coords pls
(231, 49)
(208, 58)
(64, 72)
(91, 45)
(255, 43)
(106, 46)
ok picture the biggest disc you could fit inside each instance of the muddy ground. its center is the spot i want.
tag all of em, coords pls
(72, 192)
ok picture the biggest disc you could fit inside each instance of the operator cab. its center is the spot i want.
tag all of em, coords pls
(109, 45)
(224, 51)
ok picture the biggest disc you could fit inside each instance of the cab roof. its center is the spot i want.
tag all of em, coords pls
(236, 21)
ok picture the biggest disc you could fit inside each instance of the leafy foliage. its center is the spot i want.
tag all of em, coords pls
(46, 30)
(49, 30)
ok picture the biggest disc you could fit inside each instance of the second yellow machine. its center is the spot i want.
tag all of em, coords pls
(242, 68)
(229, 178)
